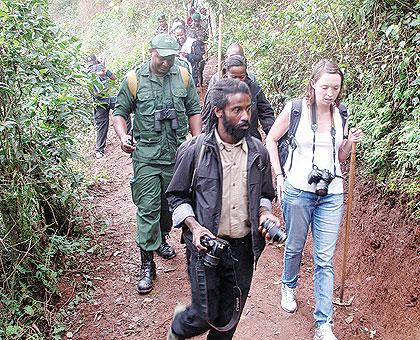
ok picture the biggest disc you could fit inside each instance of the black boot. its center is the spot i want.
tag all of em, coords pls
(165, 250)
(147, 272)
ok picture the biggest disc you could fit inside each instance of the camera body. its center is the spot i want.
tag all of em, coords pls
(277, 234)
(215, 248)
(322, 179)
(165, 113)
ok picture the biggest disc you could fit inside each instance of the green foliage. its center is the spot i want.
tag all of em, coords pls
(375, 43)
(117, 31)
(41, 106)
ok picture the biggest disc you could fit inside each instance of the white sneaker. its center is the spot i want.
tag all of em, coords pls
(324, 332)
(288, 299)
(99, 154)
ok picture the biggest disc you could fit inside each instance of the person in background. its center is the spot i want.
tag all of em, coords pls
(163, 24)
(198, 29)
(233, 49)
(198, 32)
(312, 189)
(189, 20)
(205, 19)
(166, 106)
(176, 23)
(235, 67)
(192, 50)
(104, 102)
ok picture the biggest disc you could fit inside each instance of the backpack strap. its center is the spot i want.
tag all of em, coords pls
(342, 109)
(295, 114)
(198, 156)
(132, 80)
(132, 83)
(185, 75)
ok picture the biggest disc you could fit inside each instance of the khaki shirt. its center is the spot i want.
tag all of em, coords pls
(234, 220)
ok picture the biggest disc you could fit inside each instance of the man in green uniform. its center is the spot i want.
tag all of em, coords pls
(165, 104)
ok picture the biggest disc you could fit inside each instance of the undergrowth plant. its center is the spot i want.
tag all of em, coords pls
(42, 106)
(376, 43)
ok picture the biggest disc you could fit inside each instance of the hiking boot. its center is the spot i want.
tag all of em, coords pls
(166, 251)
(171, 335)
(324, 332)
(147, 272)
(288, 299)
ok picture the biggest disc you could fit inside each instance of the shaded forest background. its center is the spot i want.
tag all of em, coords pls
(45, 114)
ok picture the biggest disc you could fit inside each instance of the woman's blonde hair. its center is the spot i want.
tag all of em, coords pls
(322, 67)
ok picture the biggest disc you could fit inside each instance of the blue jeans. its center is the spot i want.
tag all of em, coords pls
(302, 209)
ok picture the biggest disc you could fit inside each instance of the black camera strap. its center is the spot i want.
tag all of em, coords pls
(314, 127)
(237, 296)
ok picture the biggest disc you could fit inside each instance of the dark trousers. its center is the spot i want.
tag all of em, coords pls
(101, 115)
(220, 295)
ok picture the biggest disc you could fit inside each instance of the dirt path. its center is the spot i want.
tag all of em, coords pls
(117, 311)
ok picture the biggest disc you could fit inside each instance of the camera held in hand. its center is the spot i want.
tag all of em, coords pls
(215, 248)
(322, 179)
(277, 234)
(165, 113)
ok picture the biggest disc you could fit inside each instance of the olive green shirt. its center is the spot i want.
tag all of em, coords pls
(158, 147)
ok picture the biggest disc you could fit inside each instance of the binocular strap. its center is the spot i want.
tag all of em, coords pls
(237, 298)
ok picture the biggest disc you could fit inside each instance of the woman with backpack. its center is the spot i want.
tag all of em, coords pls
(309, 181)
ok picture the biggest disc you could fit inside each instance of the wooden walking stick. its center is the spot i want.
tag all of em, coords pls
(219, 47)
(348, 217)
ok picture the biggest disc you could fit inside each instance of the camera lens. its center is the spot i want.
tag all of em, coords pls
(215, 248)
(276, 234)
(321, 188)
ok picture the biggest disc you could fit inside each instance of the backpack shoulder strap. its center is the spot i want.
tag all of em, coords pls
(132, 83)
(342, 109)
(198, 155)
(294, 117)
(295, 114)
(185, 75)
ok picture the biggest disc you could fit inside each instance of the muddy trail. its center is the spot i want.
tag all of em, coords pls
(382, 285)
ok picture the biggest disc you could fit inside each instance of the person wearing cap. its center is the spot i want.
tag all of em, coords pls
(91, 60)
(104, 101)
(165, 105)
(197, 27)
(163, 25)
(205, 19)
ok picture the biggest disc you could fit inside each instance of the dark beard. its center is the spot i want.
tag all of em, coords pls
(235, 131)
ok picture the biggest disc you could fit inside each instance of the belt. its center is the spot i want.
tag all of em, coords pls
(235, 242)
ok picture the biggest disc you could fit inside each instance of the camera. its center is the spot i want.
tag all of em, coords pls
(277, 234)
(322, 179)
(165, 113)
(215, 248)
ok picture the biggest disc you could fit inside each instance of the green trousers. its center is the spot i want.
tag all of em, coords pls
(148, 188)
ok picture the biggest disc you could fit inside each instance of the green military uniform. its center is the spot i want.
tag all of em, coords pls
(155, 151)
